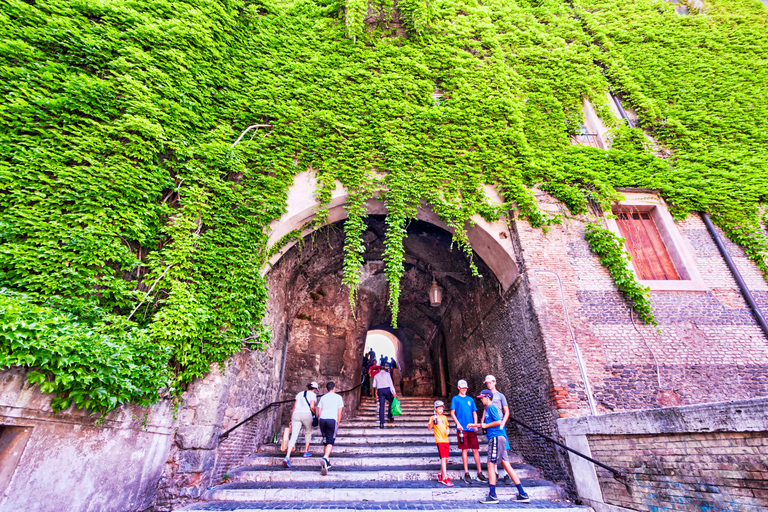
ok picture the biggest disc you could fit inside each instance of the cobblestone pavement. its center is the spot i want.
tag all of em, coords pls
(396, 505)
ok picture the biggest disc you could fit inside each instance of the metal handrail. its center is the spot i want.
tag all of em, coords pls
(620, 475)
(281, 402)
(616, 472)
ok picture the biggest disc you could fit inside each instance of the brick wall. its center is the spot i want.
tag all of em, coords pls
(686, 472)
(708, 346)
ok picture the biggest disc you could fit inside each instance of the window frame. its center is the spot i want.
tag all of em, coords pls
(677, 247)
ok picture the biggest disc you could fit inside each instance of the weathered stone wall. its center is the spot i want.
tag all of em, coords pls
(702, 457)
(70, 463)
(210, 406)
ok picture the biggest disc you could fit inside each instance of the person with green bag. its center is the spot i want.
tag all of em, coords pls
(385, 389)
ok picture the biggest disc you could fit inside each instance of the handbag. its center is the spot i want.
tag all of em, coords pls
(315, 419)
(396, 409)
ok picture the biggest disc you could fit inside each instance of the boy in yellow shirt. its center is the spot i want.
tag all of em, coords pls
(438, 424)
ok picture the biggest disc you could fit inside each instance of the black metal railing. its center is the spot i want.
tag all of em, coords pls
(619, 475)
(226, 433)
(616, 473)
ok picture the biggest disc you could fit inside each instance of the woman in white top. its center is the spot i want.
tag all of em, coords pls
(301, 415)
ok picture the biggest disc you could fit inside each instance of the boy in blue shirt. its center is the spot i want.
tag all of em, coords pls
(497, 448)
(464, 413)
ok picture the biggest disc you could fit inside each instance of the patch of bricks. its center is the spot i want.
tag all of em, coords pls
(685, 472)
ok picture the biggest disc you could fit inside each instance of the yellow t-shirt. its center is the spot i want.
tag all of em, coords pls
(441, 429)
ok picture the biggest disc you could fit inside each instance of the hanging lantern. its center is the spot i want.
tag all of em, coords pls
(435, 294)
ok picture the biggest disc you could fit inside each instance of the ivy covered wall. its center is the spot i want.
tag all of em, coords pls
(132, 232)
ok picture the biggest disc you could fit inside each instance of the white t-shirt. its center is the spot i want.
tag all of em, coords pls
(383, 380)
(330, 403)
(301, 404)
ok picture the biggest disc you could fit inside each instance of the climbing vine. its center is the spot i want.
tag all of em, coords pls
(129, 220)
(613, 256)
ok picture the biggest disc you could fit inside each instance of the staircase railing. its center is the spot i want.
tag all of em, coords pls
(226, 433)
(617, 474)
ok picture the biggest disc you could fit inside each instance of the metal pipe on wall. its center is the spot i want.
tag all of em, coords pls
(736, 274)
(579, 360)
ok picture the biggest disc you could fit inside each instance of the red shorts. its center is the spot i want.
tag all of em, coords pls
(444, 449)
(470, 441)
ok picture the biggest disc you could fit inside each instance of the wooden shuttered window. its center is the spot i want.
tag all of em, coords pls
(649, 254)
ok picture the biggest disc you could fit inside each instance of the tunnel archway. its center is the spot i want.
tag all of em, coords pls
(481, 327)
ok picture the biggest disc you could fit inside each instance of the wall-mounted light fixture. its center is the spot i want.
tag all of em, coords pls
(435, 294)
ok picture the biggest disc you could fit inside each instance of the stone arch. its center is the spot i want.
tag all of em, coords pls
(490, 240)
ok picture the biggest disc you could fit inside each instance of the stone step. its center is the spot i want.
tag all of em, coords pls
(341, 460)
(391, 433)
(406, 414)
(390, 430)
(331, 489)
(373, 449)
(374, 422)
(352, 474)
(346, 506)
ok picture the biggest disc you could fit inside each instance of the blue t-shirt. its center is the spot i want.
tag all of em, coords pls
(464, 406)
(492, 414)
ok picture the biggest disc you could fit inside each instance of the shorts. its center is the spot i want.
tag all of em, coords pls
(497, 450)
(328, 429)
(470, 441)
(443, 449)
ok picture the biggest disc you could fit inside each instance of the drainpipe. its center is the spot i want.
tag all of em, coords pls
(624, 115)
(736, 274)
(580, 361)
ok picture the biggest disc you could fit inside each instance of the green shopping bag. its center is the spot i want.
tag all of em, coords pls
(396, 410)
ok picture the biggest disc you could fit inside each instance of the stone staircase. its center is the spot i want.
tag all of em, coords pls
(373, 469)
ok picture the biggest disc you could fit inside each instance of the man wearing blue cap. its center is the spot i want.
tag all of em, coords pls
(493, 424)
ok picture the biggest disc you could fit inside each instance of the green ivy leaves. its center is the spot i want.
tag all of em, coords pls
(613, 256)
(122, 196)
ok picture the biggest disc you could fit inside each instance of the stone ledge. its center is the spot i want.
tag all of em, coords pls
(733, 416)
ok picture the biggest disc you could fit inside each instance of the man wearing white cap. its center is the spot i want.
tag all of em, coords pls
(301, 416)
(464, 413)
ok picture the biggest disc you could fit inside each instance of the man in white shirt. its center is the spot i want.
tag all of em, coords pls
(329, 411)
(385, 388)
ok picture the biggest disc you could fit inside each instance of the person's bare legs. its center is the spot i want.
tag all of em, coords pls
(465, 460)
(511, 472)
(444, 467)
(306, 447)
(327, 451)
(491, 473)
(478, 464)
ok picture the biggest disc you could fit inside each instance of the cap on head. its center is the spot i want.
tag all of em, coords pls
(439, 403)
(462, 384)
(490, 378)
(314, 385)
(485, 394)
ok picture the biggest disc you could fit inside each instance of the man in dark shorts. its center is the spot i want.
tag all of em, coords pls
(329, 411)
(464, 412)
